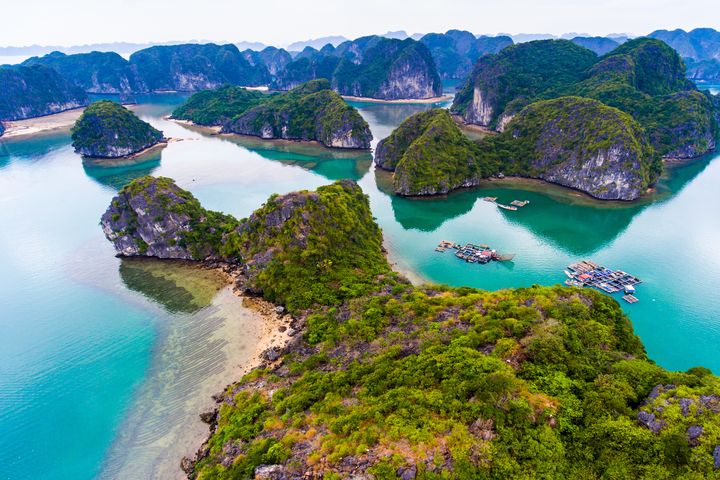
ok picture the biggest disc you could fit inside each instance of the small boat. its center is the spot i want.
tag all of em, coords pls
(503, 257)
(629, 290)
(519, 203)
(507, 207)
(439, 249)
(490, 199)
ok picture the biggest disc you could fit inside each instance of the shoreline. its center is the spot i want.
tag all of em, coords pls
(441, 98)
(216, 130)
(145, 151)
(45, 123)
(197, 356)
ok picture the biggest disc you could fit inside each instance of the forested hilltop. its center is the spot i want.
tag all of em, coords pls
(108, 130)
(571, 141)
(387, 380)
(27, 92)
(644, 78)
(311, 111)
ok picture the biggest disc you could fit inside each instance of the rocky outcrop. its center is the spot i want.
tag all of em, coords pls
(96, 72)
(373, 66)
(309, 112)
(27, 92)
(387, 69)
(585, 145)
(599, 45)
(456, 51)
(429, 155)
(295, 249)
(193, 67)
(109, 130)
(575, 142)
(153, 217)
(643, 77)
(523, 70)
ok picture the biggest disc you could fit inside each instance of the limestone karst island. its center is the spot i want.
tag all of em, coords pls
(323, 240)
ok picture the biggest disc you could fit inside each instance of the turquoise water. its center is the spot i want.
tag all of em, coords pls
(81, 349)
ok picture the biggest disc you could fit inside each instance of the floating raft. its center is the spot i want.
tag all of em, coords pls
(630, 298)
(519, 203)
(473, 253)
(590, 274)
(490, 199)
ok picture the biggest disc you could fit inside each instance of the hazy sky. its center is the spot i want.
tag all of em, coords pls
(73, 22)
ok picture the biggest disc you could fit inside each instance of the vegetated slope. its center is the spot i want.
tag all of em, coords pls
(219, 106)
(389, 380)
(27, 92)
(109, 130)
(309, 112)
(643, 77)
(95, 72)
(571, 141)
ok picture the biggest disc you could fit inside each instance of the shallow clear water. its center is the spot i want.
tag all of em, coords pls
(88, 343)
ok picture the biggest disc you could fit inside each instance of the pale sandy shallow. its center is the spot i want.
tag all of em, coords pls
(443, 98)
(56, 121)
(195, 359)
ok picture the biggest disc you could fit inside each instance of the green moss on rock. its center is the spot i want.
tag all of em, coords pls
(309, 112)
(576, 142)
(109, 130)
(217, 107)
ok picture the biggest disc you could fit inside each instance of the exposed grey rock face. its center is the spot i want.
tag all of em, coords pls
(309, 112)
(27, 92)
(269, 472)
(648, 420)
(95, 72)
(716, 456)
(140, 224)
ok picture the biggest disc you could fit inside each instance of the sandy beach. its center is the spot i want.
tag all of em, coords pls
(56, 121)
(196, 356)
(442, 98)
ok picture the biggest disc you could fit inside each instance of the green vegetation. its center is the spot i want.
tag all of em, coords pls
(107, 129)
(311, 111)
(301, 249)
(381, 60)
(35, 91)
(217, 107)
(430, 155)
(95, 72)
(324, 249)
(523, 72)
(389, 379)
(572, 141)
(642, 77)
(541, 382)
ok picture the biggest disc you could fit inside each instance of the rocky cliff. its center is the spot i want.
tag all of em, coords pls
(382, 379)
(519, 73)
(309, 112)
(218, 107)
(386, 69)
(430, 156)
(96, 72)
(585, 145)
(571, 141)
(27, 92)
(456, 51)
(298, 249)
(643, 77)
(109, 130)
(373, 66)
(193, 67)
